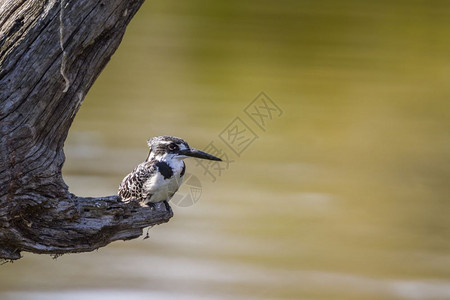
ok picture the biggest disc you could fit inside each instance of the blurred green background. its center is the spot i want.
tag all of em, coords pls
(343, 196)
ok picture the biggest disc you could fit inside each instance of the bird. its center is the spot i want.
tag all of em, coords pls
(158, 178)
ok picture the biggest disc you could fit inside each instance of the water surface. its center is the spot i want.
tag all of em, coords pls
(342, 195)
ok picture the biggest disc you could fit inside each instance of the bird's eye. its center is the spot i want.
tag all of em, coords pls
(173, 147)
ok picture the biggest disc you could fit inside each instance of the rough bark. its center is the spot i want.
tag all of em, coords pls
(50, 54)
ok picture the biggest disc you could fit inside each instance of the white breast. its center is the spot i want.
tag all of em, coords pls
(157, 188)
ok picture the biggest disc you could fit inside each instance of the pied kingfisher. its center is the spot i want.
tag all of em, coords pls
(161, 174)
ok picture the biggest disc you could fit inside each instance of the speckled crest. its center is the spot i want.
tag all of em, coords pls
(165, 138)
(158, 144)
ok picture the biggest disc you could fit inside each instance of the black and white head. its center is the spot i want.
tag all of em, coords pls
(164, 148)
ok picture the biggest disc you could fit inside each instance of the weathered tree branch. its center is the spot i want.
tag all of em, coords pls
(51, 52)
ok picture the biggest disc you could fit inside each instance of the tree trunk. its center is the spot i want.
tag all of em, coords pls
(51, 51)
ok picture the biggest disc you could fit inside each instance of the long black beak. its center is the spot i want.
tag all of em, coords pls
(199, 154)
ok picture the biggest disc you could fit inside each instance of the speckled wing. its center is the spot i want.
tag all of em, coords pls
(132, 184)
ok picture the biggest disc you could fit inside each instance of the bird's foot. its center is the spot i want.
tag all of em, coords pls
(152, 205)
(164, 205)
